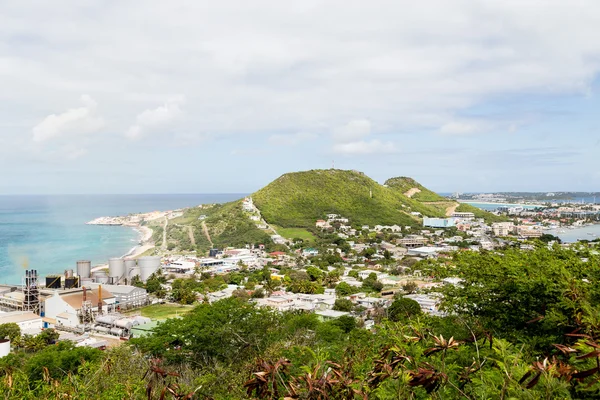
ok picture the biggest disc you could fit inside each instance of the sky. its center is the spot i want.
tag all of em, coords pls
(120, 96)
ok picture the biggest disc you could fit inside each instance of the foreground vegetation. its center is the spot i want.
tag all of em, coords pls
(520, 325)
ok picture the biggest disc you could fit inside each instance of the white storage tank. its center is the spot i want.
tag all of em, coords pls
(100, 277)
(86, 281)
(116, 268)
(148, 265)
(130, 263)
(135, 271)
(84, 268)
(4, 347)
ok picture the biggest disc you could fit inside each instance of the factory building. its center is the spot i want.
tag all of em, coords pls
(126, 296)
(68, 308)
(29, 322)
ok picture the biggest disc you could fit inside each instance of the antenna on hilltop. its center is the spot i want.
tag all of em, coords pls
(332, 164)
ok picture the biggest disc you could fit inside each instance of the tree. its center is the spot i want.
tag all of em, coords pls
(258, 293)
(49, 336)
(314, 273)
(403, 308)
(240, 294)
(345, 322)
(343, 305)
(410, 287)
(344, 289)
(10, 331)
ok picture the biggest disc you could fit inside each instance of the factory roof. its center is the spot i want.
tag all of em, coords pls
(75, 300)
(119, 289)
(18, 316)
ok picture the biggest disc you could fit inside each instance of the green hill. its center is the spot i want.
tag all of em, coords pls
(298, 199)
(414, 189)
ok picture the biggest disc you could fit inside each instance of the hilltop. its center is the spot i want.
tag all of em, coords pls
(295, 201)
(298, 199)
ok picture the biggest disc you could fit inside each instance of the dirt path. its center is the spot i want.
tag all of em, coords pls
(164, 243)
(191, 235)
(450, 210)
(412, 192)
(205, 230)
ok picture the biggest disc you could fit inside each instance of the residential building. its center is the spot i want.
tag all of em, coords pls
(463, 215)
(439, 222)
(503, 228)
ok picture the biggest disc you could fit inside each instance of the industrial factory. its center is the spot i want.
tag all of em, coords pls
(81, 301)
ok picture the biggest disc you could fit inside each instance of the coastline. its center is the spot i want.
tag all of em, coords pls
(144, 245)
(499, 203)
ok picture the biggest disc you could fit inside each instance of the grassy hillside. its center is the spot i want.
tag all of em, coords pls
(298, 199)
(227, 225)
(405, 185)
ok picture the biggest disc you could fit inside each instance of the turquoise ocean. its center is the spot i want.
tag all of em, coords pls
(48, 233)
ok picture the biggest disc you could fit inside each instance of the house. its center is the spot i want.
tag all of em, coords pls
(364, 274)
(328, 315)
(425, 251)
(277, 239)
(310, 252)
(321, 223)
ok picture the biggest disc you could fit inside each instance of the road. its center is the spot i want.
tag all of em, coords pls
(164, 243)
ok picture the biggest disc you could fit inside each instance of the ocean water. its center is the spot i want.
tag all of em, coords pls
(48, 233)
(494, 206)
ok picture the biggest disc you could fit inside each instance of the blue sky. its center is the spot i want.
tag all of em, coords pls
(205, 97)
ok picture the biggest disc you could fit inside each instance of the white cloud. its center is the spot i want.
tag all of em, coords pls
(149, 120)
(461, 127)
(352, 131)
(364, 147)
(291, 139)
(75, 121)
(353, 139)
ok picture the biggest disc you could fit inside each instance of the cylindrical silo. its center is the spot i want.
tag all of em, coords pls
(86, 281)
(84, 268)
(4, 347)
(116, 268)
(100, 277)
(135, 271)
(148, 265)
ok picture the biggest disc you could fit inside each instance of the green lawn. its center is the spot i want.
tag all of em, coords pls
(293, 233)
(164, 311)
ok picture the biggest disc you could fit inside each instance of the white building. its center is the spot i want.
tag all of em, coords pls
(64, 307)
(28, 322)
(503, 228)
(126, 296)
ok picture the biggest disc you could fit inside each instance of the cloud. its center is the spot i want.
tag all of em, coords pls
(353, 139)
(292, 139)
(461, 127)
(352, 131)
(364, 147)
(75, 121)
(150, 120)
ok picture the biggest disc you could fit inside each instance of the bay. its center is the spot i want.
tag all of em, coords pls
(48, 233)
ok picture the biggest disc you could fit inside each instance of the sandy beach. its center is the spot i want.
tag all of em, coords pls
(145, 245)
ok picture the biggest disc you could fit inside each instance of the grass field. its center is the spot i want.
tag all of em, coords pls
(164, 311)
(293, 233)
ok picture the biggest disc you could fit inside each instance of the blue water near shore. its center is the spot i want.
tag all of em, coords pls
(49, 233)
